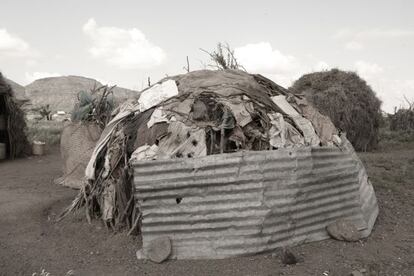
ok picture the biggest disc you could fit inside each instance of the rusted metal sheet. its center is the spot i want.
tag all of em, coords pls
(249, 202)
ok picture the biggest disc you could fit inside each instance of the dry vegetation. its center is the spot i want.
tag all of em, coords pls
(348, 101)
(223, 58)
(403, 119)
(45, 131)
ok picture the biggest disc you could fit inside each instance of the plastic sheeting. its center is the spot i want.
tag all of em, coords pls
(149, 98)
(303, 124)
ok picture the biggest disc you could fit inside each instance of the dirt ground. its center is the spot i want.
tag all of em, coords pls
(31, 240)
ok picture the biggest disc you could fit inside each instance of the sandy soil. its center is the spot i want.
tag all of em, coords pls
(30, 239)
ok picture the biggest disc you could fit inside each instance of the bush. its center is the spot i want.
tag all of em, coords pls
(45, 131)
(402, 120)
(347, 99)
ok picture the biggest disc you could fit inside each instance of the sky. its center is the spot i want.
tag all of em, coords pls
(125, 42)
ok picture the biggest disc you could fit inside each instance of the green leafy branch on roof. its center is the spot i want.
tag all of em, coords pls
(94, 106)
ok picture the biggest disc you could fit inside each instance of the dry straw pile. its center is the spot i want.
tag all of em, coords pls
(347, 99)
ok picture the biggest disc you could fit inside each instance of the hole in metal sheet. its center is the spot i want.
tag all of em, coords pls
(178, 200)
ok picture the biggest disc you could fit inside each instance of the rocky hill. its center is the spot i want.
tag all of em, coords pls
(60, 92)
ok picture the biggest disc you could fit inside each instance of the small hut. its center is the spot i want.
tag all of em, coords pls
(13, 141)
(221, 164)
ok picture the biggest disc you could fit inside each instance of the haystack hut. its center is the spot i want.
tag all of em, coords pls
(13, 141)
(349, 102)
(224, 163)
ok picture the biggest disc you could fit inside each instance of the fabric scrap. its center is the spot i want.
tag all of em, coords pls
(157, 94)
(145, 152)
(157, 116)
(183, 141)
(322, 124)
(241, 110)
(302, 123)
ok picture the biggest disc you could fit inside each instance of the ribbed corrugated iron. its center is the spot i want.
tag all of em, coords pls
(249, 202)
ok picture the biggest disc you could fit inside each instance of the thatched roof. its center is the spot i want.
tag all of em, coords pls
(14, 137)
(348, 100)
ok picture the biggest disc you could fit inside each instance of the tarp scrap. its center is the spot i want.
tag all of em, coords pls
(302, 123)
(282, 134)
(157, 116)
(277, 132)
(124, 112)
(157, 94)
(149, 98)
(322, 124)
(108, 201)
(145, 152)
(240, 109)
(182, 141)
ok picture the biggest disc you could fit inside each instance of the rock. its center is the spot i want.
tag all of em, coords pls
(343, 230)
(140, 254)
(356, 273)
(288, 258)
(159, 249)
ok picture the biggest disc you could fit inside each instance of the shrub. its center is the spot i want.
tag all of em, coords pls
(45, 131)
(347, 99)
(402, 120)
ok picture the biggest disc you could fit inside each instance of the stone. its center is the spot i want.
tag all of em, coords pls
(356, 273)
(343, 230)
(140, 254)
(288, 258)
(159, 249)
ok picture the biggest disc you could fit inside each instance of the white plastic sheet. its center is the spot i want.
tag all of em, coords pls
(311, 138)
(157, 94)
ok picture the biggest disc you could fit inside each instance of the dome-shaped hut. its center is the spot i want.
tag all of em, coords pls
(13, 141)
(225, 163)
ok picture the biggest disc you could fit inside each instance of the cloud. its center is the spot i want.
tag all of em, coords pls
(282, 68)
(13, 46)
(392, 92)
(30, 77)
(373, 34)
(354, 46)
(342, 33)
(261, 57)
(356, 39)
(366, 69)
(124, 48)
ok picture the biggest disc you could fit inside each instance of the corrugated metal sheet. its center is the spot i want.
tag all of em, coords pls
(250, 202)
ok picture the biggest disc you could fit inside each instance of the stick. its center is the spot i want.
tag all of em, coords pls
(135, 225)
(222, 139)
(212, 141)
(127, 208)
(88, 217)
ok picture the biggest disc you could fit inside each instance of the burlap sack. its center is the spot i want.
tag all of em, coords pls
(76, 146)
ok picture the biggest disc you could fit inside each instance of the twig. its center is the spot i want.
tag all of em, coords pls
(135, 224)
(88, 217)
(188, 66)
